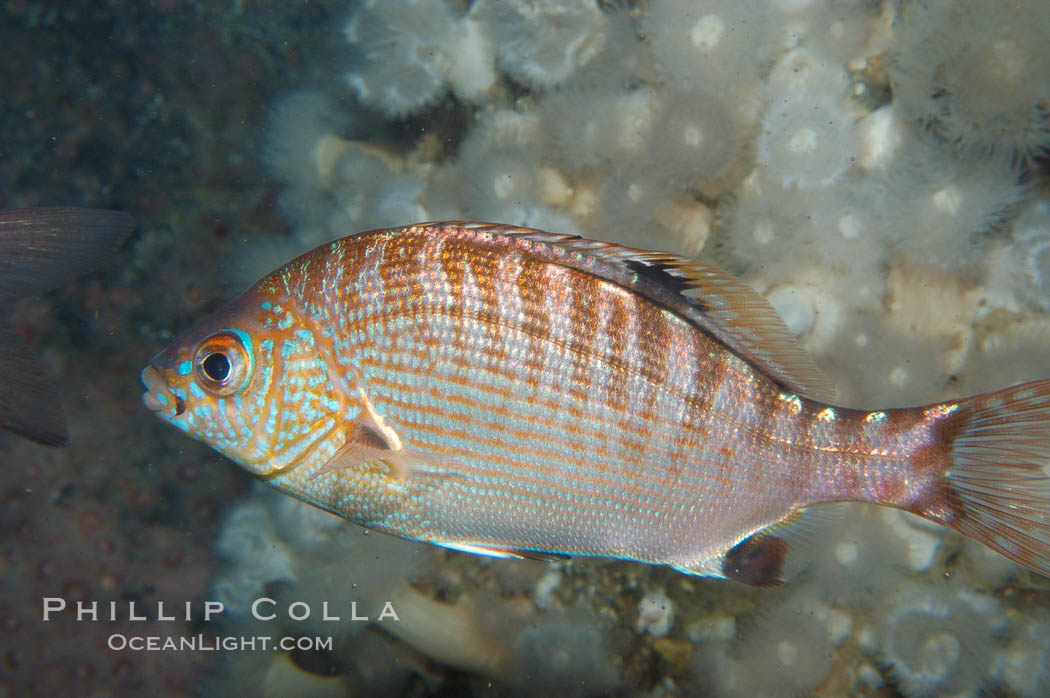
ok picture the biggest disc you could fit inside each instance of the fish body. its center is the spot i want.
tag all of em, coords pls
(519, 393)
(42, 249)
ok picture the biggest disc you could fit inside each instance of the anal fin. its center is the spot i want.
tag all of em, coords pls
(780, 551)
(758, 560)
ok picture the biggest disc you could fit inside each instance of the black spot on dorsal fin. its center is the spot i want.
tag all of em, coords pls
(757, 560)
(660, 273)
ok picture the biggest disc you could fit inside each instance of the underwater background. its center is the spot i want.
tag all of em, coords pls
(877, 169)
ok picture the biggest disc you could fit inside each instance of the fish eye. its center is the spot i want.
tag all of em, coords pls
(222, 363)
(216, 367)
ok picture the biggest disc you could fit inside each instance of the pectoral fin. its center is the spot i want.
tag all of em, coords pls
(367, 445)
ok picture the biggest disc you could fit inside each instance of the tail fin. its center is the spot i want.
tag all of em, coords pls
(996, 489)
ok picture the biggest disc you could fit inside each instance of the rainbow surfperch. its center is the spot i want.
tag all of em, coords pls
(513, 392)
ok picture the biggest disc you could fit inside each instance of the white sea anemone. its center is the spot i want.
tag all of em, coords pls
(921, 538)
(304, 526)
(855, 554)
(794, 306)
(777, 231)
(628, 208)
(723, 42)
(876, 365)
(410, 51)
(473, 70)
(495, 178)
(404, 53)
(262, 544)
(942, 208)
(762, 225)
(976, 74)
(807, 140)
(296, 125)
(814, 300)
(256, 556)
(655, 614)
(304, 144)
(1030, 253)
(594, 127)
(786, 652)
(1009, 349)
(838, 29)
(563, 654)
(541, 43)
(805, 70)
(1027, 670)
(881, 134)
(939, 642)
(695, 138)
(625, 58)
(368, 192)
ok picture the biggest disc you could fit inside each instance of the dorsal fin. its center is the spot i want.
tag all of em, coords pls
(716, 302)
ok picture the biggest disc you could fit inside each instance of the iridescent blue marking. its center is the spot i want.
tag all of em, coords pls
(186, 368)
(249, 349)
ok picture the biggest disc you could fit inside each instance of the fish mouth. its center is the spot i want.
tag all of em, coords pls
(158, 397)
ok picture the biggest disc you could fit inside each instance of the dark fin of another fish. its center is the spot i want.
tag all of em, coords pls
(41, 249)
(994, 479)
(44, 248)
(717, 302)
(757, 560)
(29, 403)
